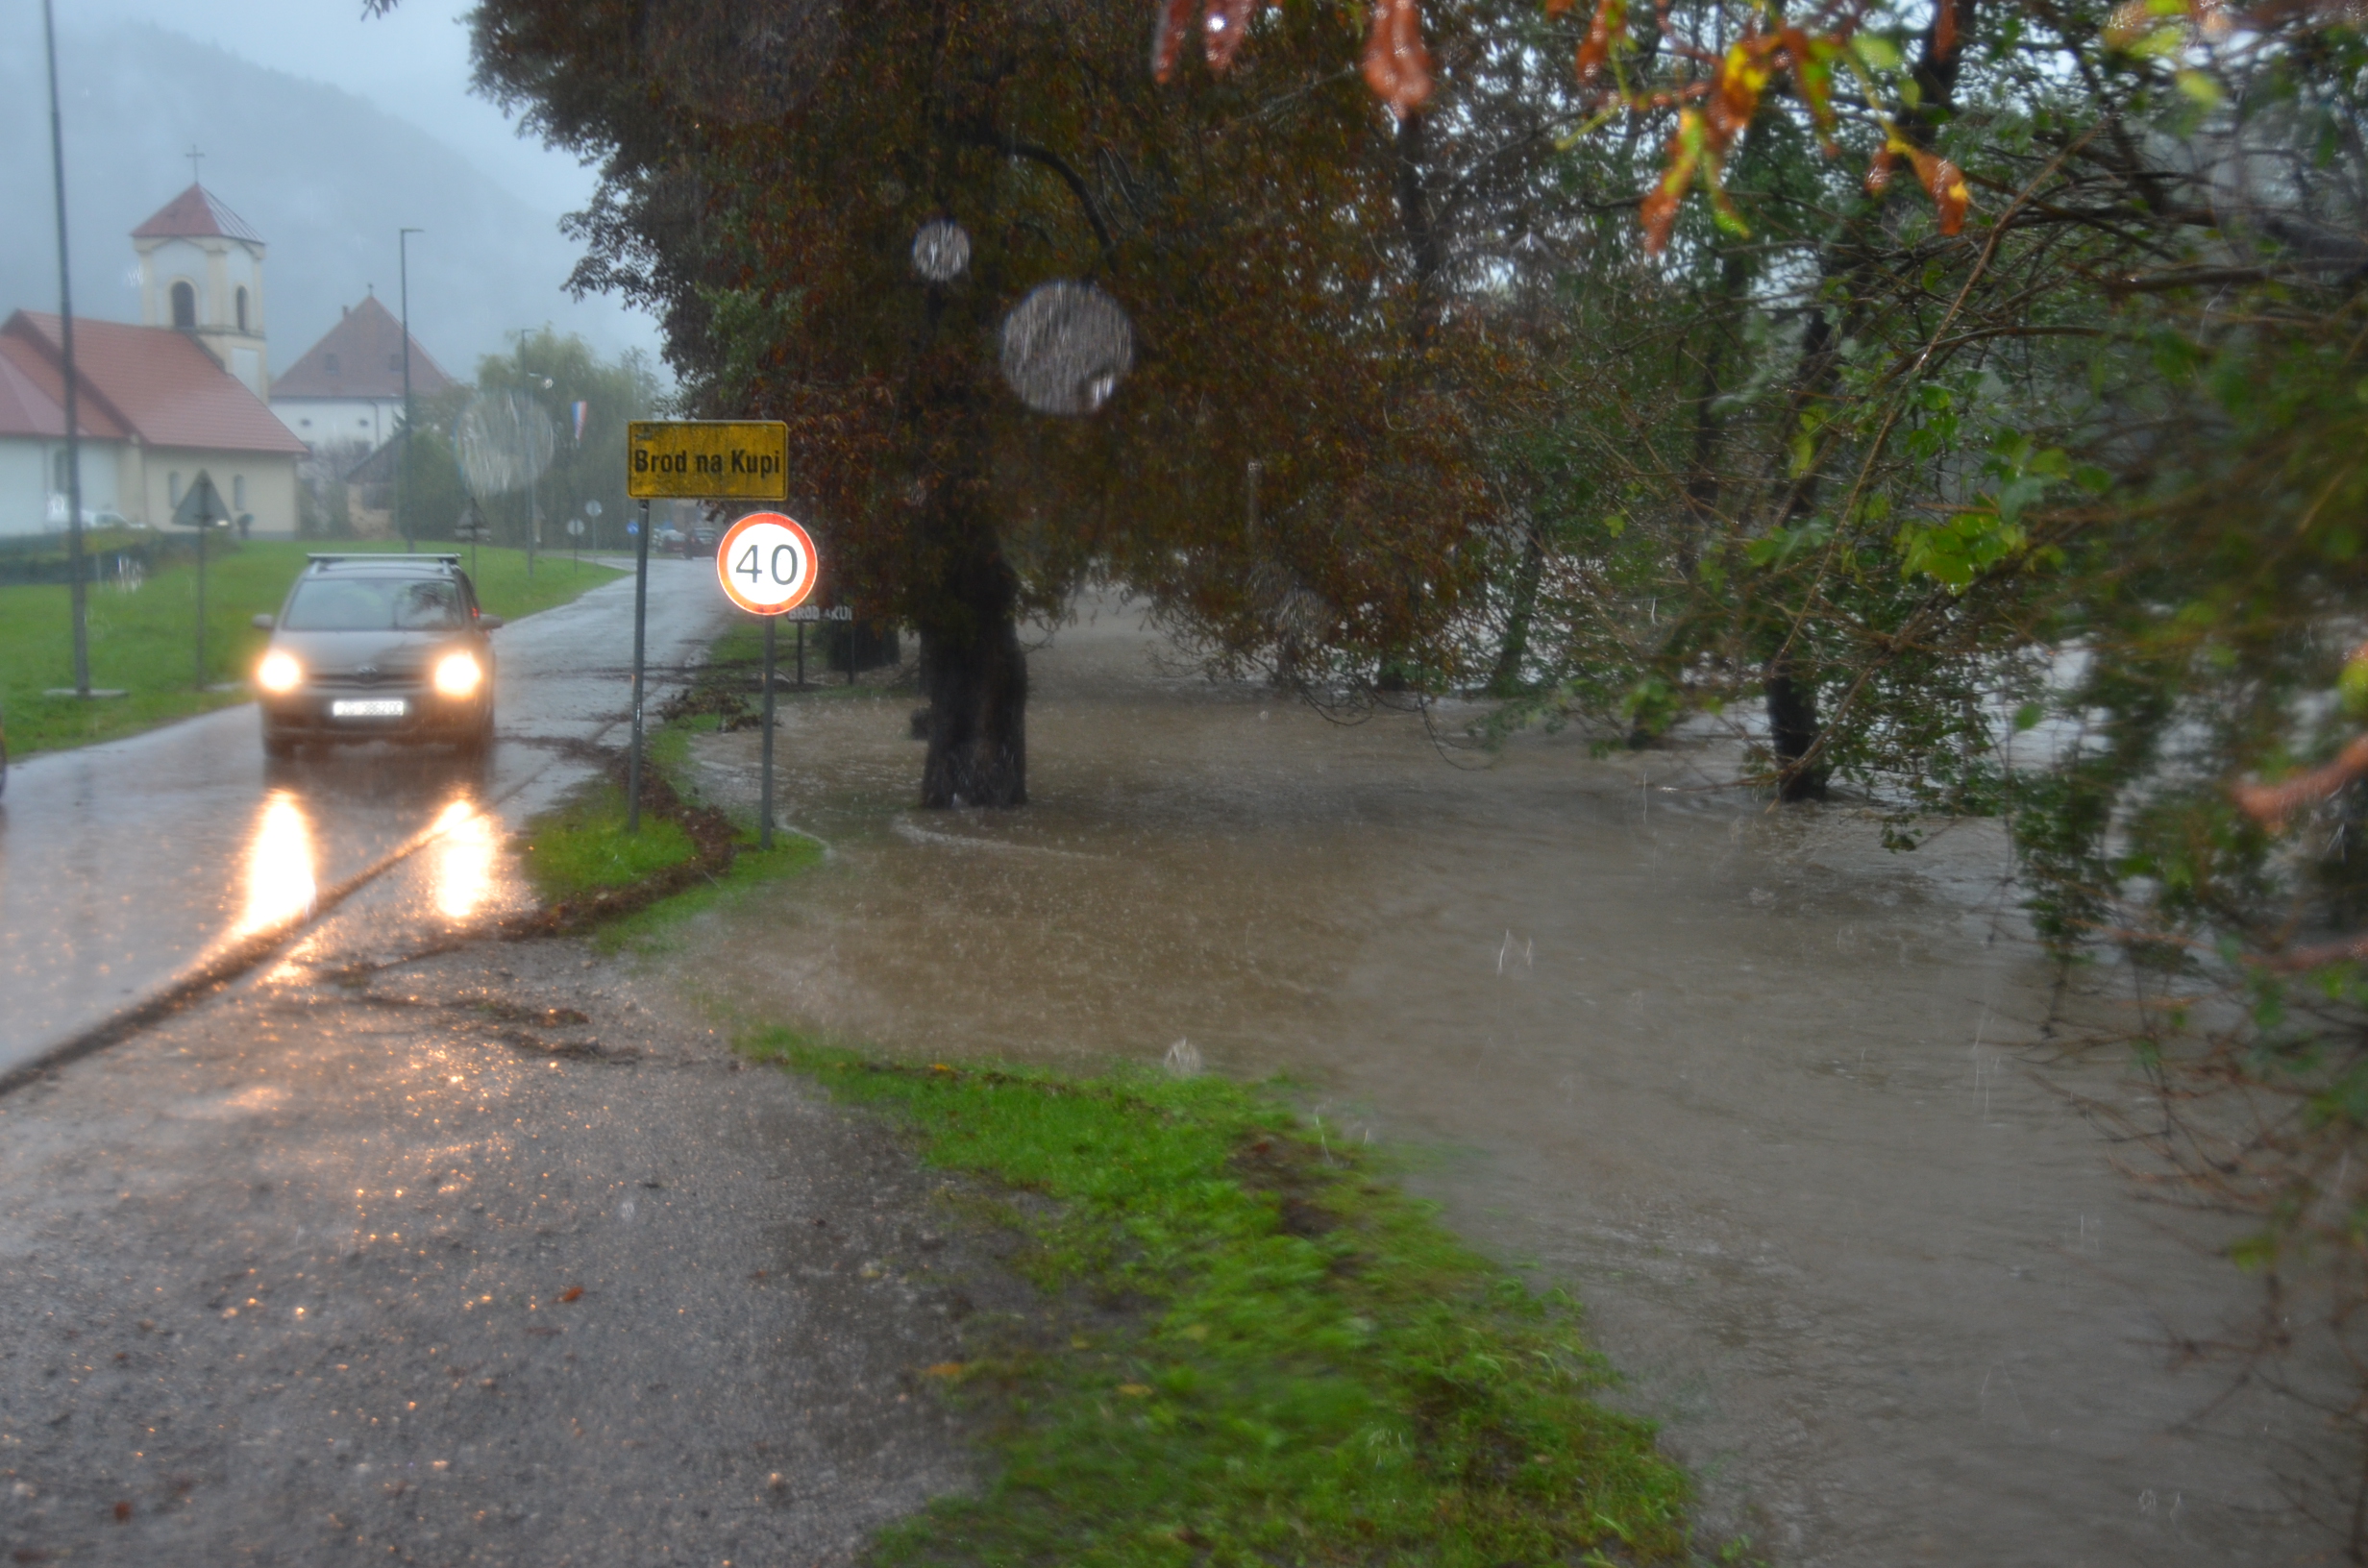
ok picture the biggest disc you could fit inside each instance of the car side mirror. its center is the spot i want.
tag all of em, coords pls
(488, 623)
(263, 623)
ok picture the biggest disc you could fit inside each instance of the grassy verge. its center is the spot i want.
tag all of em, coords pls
(634, 889)
(143, 642)
(1312, 1369)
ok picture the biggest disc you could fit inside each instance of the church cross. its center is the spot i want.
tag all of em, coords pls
(193, 155)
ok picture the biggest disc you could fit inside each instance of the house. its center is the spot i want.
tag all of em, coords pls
(347, 390)
(154, 408)
(158, 401)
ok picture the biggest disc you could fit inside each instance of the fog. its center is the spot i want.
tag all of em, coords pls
(328, 134)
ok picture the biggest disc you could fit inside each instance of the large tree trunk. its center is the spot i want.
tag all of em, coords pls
(974, 677)
(1792, 727)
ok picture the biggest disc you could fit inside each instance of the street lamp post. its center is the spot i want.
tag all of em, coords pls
(81, 592)
(403, 475)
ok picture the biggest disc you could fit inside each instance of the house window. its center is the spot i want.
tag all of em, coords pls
(330, 364)
(242, 309)
(305, 423)
(58, 468)
(185, 305)
(394, 362)
(172, 487)
(238, 492)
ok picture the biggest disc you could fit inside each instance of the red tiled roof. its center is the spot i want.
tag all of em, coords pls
(159, 384)
(33, 398)
(196, 213)
(361, 357)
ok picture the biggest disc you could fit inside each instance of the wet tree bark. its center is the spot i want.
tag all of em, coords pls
(1505, 680)
(974, 674)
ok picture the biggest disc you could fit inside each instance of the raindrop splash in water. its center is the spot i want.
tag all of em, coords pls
(746, 61)
(940, 250)
(1065, 348)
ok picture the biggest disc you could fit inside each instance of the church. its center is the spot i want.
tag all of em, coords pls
(191, 388)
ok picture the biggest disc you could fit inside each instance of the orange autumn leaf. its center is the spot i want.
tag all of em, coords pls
(1659, 212)
(573, 1293)
(1175, 20)
(1945, 182)
(1878, 171)
(1228, 29)
(1742, 75)
(1396, 66)
(1610, 27)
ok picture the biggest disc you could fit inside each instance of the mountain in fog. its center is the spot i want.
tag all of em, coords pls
(326, 178)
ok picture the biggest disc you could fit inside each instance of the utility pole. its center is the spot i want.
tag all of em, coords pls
(80, 595)
(403, 473)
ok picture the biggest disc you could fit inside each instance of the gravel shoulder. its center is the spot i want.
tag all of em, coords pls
(472, 1259)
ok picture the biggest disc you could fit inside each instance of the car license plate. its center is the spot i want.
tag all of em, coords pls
(368, 707)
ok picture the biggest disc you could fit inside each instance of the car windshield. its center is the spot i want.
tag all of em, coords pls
(376, 604)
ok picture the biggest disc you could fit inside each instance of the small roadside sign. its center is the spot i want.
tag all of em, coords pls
(200, 504)
(575, 527)
(706, 459)
(766, 563)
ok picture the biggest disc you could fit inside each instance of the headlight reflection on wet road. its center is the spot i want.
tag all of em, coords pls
(281, 880)
(464, 854)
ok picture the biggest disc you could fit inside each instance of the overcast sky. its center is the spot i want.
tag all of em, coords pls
(413, 63)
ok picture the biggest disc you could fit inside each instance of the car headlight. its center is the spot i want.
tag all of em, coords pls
(458, 675)
(279, 673)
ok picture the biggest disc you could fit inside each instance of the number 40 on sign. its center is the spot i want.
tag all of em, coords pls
(767, 564)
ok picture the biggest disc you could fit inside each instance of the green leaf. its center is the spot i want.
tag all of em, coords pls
(1875, 52)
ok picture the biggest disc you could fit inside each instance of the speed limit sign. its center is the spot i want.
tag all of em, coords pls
(766, 563)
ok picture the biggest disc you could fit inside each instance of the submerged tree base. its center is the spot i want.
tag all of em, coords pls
(1259, 1352)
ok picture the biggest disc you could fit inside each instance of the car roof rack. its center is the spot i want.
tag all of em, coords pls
(381, 558)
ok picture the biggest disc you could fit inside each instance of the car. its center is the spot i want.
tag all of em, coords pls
(378, 648)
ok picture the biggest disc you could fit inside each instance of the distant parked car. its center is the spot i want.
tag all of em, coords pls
(378, 648)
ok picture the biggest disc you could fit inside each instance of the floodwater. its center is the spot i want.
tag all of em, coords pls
(1763, 1094)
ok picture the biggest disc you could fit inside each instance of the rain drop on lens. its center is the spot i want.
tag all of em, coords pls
(940, 250)
(1065, 348)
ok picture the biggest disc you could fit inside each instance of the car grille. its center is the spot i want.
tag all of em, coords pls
(350, 680)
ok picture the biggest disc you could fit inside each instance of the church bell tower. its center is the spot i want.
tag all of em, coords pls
(200, 272)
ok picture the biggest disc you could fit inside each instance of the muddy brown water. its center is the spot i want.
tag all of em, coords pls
(1761, 1092)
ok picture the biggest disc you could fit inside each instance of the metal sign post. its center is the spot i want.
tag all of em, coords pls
(768, 567)
(641, 615)
(704, 459)
(764, 792)
(201, 508)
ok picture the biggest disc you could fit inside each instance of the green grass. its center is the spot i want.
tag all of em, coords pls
(583, 846)
(1304, 1367)
(656, 929)
(144, 643)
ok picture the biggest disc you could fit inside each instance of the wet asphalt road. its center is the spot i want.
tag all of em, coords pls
(123, 866)
(415, 1245)
(464, 1259)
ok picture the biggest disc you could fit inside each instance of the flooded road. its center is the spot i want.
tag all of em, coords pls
(1756, 1088)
